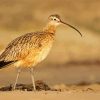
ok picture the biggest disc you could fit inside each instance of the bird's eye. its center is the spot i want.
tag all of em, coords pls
(54, 19)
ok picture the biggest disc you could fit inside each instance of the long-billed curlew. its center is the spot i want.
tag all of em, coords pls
(30, 49)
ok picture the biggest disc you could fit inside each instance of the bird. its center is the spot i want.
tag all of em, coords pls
(29, 49)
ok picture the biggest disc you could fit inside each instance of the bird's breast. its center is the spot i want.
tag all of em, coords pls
(46, 45)
(44, 52)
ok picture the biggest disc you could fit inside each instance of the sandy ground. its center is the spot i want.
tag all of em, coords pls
(64, 92)
(48, 95)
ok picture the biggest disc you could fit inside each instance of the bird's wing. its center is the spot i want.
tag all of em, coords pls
(20, 47)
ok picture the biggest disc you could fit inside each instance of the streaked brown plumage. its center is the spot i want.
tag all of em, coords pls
(30, 49)
(26, 50)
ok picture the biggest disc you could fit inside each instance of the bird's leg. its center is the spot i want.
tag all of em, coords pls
(32, 77)
(17, 77)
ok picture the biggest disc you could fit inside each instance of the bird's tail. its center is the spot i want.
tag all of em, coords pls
(4, 64)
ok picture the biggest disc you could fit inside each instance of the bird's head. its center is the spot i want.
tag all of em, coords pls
(56, 20)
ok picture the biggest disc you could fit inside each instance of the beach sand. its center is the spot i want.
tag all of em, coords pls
(50, 95)
(63, 92)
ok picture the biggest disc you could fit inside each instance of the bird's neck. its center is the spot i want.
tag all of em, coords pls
(50, 28)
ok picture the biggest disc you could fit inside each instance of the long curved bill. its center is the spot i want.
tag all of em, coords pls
(72, 27)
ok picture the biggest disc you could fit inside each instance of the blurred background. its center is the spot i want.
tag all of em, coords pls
(72, 59)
